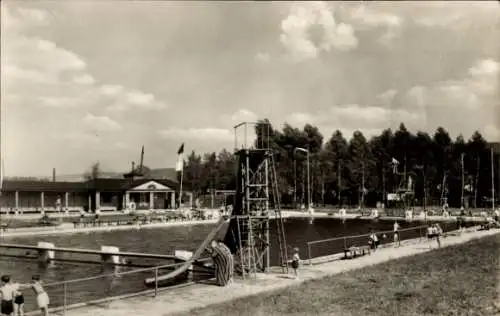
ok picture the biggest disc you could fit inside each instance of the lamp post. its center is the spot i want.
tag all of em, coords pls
(422, 168)
(308, 179)
(295, 182)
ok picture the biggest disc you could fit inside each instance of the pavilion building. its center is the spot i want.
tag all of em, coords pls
(133, 191)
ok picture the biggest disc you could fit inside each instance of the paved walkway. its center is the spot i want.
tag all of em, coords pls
(196, 296)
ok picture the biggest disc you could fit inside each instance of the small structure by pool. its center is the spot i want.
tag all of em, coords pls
(97, 194)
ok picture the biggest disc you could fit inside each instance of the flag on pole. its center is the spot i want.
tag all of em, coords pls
(395, 164)
(180, 158)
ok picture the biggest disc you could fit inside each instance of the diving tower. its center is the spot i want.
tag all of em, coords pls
(256, 194)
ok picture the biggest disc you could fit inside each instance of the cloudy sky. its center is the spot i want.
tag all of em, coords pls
(94, 80)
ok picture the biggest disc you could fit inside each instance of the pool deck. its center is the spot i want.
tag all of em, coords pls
(180, 300)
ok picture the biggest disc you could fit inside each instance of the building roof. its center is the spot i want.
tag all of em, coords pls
(46, 186)
(101, 185)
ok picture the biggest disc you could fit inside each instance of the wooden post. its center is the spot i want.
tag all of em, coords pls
(151, 200)
(97, 201)
(17, 200)
(42, 200)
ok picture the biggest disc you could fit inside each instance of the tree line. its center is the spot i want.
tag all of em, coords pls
(432, 169)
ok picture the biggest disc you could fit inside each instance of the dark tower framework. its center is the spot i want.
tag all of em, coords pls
(248, 235)
(405, 190)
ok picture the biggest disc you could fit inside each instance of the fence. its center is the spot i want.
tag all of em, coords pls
(104, 288)
(336, 245)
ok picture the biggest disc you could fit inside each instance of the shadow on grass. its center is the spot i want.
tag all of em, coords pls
(455, 280)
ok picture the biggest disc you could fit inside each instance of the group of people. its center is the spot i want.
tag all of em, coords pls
(12, 298)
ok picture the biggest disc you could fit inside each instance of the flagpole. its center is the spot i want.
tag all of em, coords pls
(492, 180)
(180, 167)
(463, 179)
(180, 190)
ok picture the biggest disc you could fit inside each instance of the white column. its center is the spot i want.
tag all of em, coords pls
(17, 200)
(66, 200)
(172, 199)
(190, 199)
(127, 199)
(42, 200)
(151, 200)
(98, 201)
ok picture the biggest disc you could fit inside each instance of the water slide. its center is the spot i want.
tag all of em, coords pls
(214, 234)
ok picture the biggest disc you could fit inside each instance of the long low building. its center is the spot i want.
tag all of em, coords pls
(92, 195)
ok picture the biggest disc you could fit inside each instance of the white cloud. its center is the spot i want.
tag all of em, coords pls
(372, 116)
(485, 67)
(111, 90)
(38, 69)
(58, 102)
(11, 73)
(244, 115)
(77, 138)
(263, 57)
(135, 99)
(351, 117)
(139, 98)
(470, 102)
(387, 96)
(372, 18)
(303, 18)
(204, 134)
(84, 79)
(492, 132)
(300, 119)
(21, 18)
(454, 15)
(100, 123)
(364, 17)
(122, 145)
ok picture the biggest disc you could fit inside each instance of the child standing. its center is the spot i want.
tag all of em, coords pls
(396, 234)
(296, 262)
(42, 298)
(7, 292)
(18, 302)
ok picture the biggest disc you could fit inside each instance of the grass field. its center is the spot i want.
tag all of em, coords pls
(457, 280)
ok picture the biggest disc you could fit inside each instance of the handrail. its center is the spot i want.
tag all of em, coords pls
(364, 235)
(155, 268)
(344, 238)
(109, 275)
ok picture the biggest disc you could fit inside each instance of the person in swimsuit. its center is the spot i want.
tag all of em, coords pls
(430, 234)
(7, 292)
(296, 262)
(42, 299)
(439, 232)
(396, 234)
(18, 303)
(373, 240)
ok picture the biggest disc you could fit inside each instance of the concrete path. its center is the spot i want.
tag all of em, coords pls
(197, 296)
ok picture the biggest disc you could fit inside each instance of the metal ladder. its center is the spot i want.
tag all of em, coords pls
(247, 255)
(280, 229)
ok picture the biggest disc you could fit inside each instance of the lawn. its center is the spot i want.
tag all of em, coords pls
(456, 280)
